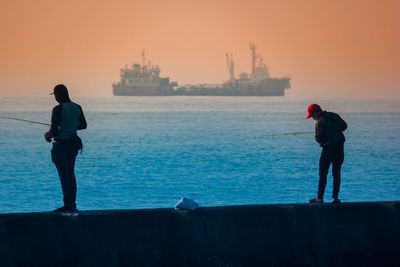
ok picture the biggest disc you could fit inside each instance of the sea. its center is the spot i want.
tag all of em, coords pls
(149, 152)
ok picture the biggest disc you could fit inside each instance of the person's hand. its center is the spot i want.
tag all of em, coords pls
(47, 137)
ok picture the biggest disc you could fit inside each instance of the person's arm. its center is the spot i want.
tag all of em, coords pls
(55, 123)
(82, 121)
(320, 130)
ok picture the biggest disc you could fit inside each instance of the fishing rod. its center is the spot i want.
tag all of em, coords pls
(18, 119)
(271, 135)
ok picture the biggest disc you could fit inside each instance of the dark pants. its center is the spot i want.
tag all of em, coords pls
(332, 154)
(63, 154)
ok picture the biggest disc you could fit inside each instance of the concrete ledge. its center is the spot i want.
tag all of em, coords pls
(348, 234)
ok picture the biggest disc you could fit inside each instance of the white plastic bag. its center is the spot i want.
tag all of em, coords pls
(186, 204)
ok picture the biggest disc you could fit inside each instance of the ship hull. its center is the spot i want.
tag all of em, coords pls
(124, 90)
(267, 87)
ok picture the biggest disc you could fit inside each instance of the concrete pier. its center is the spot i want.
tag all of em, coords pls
(348, 234)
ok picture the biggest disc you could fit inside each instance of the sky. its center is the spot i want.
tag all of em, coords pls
(342, 48)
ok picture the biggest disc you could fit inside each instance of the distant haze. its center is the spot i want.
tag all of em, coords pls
(329, 48)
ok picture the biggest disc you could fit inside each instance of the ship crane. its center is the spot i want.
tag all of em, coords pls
(261, 65)
(230, 65)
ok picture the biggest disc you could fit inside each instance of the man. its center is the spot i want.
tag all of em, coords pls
(66, 119)
(329, 129)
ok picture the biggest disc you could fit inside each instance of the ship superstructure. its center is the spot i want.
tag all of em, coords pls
(142, 80)
(145, 80)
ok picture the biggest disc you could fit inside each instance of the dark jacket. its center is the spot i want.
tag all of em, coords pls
(329, 129)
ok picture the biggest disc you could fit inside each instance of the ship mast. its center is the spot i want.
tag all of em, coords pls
(253, 58)
(143, 59)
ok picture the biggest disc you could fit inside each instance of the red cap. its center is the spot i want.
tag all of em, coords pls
(311, 109)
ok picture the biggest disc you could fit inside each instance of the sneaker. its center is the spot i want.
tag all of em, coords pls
(317, 200)
(61, 209)
(335, 201)
(70, 212)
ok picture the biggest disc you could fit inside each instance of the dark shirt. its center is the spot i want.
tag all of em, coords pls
(66, 119)
(329, 129)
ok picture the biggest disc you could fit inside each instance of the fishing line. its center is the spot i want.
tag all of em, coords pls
(241, 140)
(271, 135)
(18, 119)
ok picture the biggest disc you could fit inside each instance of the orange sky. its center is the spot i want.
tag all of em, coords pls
(335, 48)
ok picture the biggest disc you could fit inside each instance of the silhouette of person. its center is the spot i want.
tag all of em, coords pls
(66, 119)
(329, 129)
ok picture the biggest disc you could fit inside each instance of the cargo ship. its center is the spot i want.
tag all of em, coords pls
(144, 80)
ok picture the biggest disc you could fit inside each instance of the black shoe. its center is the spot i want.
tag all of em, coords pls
(317, 200)
(61, 209)
(335, 201)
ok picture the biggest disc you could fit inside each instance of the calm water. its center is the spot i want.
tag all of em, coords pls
(147, 152)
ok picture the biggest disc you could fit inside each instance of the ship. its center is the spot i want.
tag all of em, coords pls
(144, 80)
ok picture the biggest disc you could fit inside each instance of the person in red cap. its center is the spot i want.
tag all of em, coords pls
(329, 129)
